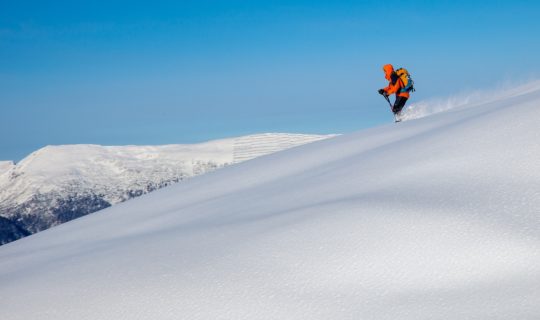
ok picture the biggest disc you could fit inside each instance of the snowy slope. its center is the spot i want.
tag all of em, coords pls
(434, 218)
(59, 183)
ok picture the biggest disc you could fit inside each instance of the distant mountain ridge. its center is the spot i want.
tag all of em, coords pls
(56, 184)
(5, 166)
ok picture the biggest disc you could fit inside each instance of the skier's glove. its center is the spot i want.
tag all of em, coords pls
(382, 92)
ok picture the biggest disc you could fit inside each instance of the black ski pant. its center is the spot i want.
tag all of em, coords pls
(399, 104)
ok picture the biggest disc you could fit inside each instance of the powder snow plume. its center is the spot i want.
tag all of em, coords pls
(428, 107)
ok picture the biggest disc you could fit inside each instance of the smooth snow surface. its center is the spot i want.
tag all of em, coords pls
(434, 218)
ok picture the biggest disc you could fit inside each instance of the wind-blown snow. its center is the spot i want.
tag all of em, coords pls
(466, 100)
(436, 218)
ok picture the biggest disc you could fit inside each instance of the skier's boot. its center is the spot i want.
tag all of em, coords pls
(397, 117)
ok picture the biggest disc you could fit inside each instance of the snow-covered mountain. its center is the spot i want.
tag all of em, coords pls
(59, 183)
(5, 166)
(434, 218)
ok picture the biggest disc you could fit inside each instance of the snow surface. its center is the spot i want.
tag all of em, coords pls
(434, 218)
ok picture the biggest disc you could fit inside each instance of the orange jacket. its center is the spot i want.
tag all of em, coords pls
(395, 84)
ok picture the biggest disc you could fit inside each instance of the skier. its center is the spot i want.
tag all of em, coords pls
(399, 83)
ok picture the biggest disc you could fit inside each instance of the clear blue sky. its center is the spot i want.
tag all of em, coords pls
(157, 72)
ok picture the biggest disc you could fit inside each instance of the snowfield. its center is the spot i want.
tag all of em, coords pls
(432, 218)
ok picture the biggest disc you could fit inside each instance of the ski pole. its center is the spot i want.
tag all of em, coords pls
(388, 99)
(391, 107)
